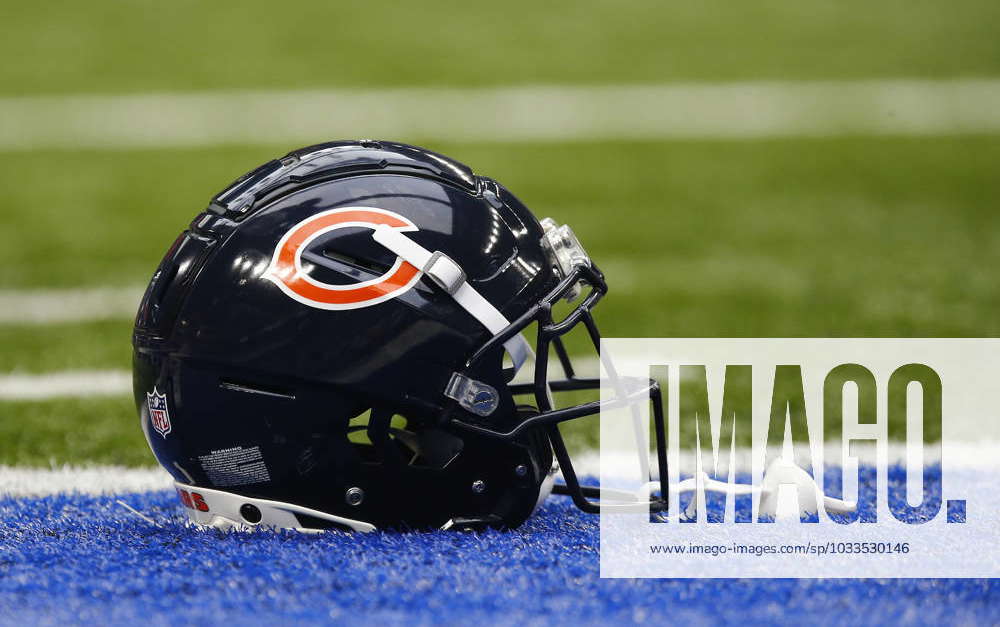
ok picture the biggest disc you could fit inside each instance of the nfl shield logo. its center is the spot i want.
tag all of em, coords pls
(158, 414)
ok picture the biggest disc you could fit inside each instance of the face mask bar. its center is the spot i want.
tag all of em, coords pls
(550, 335)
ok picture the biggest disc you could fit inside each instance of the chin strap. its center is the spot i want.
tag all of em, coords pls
(450, 277)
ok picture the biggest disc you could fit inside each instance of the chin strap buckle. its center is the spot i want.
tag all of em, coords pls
(443, 270)
(474, 396)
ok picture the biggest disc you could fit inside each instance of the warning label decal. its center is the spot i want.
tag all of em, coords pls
(235, 466)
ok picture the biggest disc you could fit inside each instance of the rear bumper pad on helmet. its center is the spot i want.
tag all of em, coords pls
(225, 510)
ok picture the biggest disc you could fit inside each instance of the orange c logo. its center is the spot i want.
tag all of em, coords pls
(286, 270)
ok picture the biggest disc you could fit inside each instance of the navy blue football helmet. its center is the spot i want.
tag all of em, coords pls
(332, 344)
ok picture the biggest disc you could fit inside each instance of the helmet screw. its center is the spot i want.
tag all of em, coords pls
(354, 496)
(478, 486)
(521, 470)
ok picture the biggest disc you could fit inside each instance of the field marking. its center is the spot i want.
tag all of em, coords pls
(54, 306)
(741, 110)
(16, 481)
(65, 384)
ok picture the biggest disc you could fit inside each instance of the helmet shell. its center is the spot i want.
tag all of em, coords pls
(247, 368)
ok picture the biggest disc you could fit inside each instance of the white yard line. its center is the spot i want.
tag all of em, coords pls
(53, 306)
(539, 112)
(68, 383)
(16, 481)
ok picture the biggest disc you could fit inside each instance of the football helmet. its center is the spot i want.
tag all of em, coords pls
(333, 343)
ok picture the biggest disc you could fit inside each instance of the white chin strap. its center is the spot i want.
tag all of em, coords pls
(451, 278)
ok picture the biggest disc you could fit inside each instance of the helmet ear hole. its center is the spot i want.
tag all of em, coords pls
(357, 429)
(412, 445)
(378, 439)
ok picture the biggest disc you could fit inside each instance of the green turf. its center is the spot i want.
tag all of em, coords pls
(138, 45)
(36, 349)
(845, 237)
(105, 218)
(77, 431)
(848, 237)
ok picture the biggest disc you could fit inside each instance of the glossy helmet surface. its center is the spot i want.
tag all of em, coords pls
(325, 346)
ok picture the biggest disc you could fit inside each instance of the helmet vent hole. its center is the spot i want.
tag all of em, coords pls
(249, 387)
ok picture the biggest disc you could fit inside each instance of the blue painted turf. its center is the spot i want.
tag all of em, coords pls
(84, 559)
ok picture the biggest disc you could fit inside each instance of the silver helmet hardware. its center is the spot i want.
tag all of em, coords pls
(354, 496)
(474, 396)
(564, 251)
